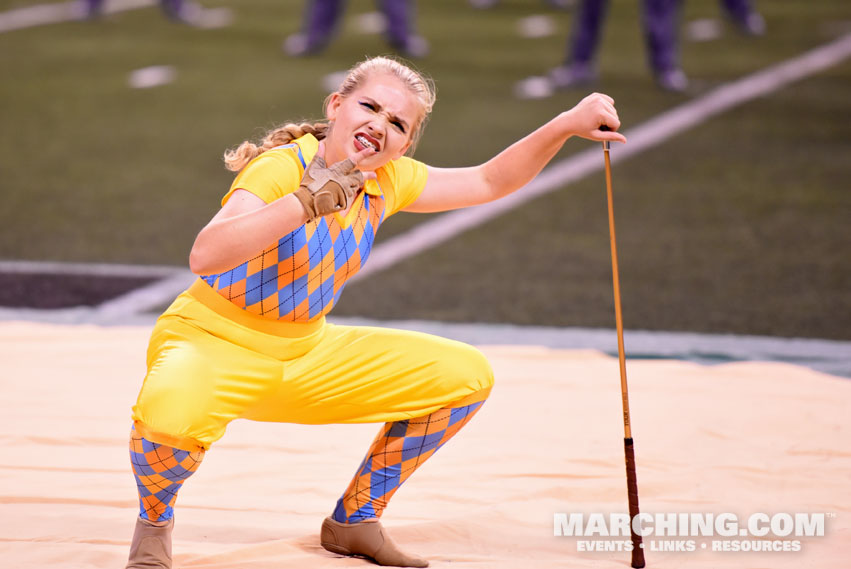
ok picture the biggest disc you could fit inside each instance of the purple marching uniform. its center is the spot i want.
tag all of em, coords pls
(323, 16)
(660, 21)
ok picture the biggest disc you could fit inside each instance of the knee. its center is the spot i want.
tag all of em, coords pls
(472, 367)
(483, 370)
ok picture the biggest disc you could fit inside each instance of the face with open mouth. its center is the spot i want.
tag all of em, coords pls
(381, 114)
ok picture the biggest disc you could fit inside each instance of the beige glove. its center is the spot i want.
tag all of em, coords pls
(324, 189)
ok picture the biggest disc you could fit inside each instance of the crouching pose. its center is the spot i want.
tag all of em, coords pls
(249, 338)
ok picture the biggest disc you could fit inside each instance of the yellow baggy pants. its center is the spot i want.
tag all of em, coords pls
(209, 362)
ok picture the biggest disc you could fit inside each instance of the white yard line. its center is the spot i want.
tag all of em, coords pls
(642, 137)
(44, 14)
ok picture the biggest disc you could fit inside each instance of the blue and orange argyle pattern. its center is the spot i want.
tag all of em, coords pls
(300, 278)
(160, 471)
(399, 449)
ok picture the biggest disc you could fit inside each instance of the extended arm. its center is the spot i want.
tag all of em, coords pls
(511, 169)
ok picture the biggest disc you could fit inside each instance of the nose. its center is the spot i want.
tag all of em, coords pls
(375, 128)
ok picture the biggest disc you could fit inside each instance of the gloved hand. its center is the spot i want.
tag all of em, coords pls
(325, 189)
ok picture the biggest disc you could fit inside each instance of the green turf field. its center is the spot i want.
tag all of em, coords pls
(739, 225)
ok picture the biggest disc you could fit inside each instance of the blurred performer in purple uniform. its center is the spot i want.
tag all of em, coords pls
(660, 21)
(659, 18)
(744, 15)
(323, 16)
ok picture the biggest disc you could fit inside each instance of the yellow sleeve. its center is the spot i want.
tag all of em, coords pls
(407, 179)
(270, 176)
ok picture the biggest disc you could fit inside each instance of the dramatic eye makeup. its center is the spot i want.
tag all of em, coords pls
(395, 121)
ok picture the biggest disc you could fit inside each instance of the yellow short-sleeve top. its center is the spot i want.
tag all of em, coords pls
(300, 277)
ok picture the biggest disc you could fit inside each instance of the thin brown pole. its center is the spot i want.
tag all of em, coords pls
(617, 290)
(629, 451)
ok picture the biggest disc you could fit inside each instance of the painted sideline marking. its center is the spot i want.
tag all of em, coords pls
(169, 282)
(144, 299)
(647, 135)
(94, 269)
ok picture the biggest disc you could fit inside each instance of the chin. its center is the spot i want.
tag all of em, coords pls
(372, 164)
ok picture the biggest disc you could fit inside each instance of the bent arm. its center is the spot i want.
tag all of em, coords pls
(241, 229)
(246, 224)
(517, 165)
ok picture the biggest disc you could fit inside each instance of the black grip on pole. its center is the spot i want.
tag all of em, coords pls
(604, 127)
(632, 492)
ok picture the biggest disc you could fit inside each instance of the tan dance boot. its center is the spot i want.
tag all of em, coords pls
(151, 546)
(367, 539)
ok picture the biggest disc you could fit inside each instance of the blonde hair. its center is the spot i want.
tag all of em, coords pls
(418, 84)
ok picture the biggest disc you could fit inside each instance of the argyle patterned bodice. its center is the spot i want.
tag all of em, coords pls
(300, 278)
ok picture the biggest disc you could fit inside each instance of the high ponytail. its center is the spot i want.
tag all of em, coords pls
(237, 158)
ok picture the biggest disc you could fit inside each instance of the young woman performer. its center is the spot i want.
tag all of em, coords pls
(249, 339)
